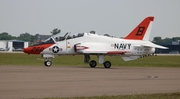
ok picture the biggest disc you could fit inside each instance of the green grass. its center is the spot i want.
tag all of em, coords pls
(138, 96)
(78, 60)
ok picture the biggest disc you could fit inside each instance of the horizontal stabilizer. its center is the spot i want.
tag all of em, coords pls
(162, 47)
(152, 46)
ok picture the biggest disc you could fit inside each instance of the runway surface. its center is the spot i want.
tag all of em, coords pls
(17, 82)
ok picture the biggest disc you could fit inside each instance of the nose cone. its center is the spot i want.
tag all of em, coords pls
(27, 50)
(36, 49)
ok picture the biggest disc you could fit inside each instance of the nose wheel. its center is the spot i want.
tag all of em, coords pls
(47, 63)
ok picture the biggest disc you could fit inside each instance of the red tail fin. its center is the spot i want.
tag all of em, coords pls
(142, 31)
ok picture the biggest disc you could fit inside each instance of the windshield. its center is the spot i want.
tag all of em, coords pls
(48, 41)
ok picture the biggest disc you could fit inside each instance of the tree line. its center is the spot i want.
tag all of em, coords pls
(25, 36)
(158, 39)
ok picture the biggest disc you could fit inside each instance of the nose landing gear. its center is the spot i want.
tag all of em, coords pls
(47, 63)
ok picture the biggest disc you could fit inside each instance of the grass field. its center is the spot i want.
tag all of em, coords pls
(139, 96)
(22, 59)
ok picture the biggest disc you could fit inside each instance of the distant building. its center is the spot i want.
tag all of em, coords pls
(12, 45)
(174, 47)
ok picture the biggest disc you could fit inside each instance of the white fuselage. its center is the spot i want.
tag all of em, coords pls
(99, 44)
(131, 47)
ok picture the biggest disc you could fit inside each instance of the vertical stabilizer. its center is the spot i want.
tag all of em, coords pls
(142, 31)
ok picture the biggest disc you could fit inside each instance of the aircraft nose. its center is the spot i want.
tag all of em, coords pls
(27, 50)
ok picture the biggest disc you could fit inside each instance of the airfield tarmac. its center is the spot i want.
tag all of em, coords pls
(17, 82)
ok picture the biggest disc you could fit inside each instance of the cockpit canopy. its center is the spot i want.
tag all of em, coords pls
(68, 36)
(60, 37)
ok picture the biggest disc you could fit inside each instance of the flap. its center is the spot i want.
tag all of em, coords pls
(129, 58)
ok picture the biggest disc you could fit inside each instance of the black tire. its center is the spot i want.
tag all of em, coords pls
(107, 64)
(47, 63)
(92, 64)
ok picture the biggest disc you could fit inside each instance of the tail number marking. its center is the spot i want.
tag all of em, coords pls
(140, 31)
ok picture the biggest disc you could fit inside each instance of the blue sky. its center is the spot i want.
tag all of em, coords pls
(114, 17)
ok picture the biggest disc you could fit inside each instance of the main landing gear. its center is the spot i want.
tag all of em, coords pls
(93, 63)
(107, 64)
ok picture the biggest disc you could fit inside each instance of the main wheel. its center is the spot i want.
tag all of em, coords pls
(47, 63)
(107, 64)
(92, 63)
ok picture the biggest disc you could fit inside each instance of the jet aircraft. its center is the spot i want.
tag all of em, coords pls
(131, 47)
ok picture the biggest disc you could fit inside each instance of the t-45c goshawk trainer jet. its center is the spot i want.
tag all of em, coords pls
(131, 47)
